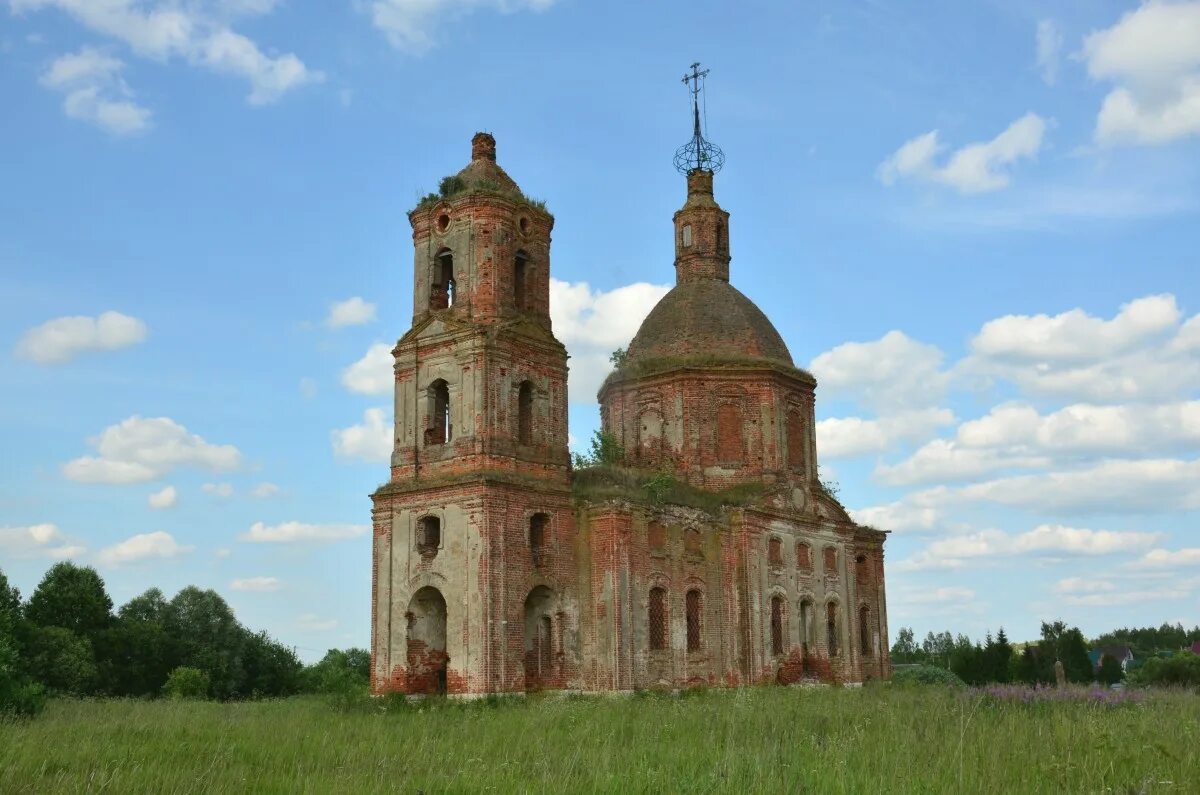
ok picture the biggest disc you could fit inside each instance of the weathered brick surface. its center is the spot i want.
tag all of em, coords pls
(533, 588)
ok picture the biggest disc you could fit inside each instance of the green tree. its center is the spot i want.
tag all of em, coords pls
(604, 450)
(268, 668)
(18, 695)
(72, 597)
(1178, 670)
(62, 660)
(205, 635)
(187, 683)
(998, 657)
(1110, 670)
(1028, 668)
(905, 649)
(338, 672)
(140, 653)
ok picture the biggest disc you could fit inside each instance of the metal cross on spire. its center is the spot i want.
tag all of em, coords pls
(697, 154)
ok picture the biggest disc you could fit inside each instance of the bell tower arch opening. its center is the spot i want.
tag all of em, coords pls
(426, 642)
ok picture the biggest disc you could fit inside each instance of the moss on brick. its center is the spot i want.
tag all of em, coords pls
(601, 483)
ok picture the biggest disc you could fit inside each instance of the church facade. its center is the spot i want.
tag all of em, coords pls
(708, 554)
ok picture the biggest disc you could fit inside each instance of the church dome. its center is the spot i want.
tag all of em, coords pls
(707, 319)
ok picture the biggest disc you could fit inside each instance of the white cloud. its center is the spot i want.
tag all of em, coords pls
(166, 498)
(1115, 486)
(1152, 55)
(289, 532)
(145, 546)
(223, 553)
(62, 339)
(39, 540)
(975, 168)
(95, 92)
(845, 437)
(411, 25)
(1049, 49)
(141, 449)
(946, 594)
(373, 373)
(351, 312)
(1015, 435)
(916, 512)
(594, 323)
(314, 623)
(264, 491)
(1142, 353)
(1122, 598)
(257, 584)
(222, 491)
(369, 441)
(1168, 558)
(1083, 585)
(953, 552)
(890, 374)
(199, 33)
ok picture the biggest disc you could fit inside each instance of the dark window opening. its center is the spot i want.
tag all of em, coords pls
(520, 280)
(693, 620)
(429, 535)
(525, 413)
(861, 570)
(775, 552)
(776, 625)
(831, 629)
(864, 631)
(441, 291)
(658, 619)
(806, 618)
(720, 237)
(795, 440)
(440, 430)
(537, 537)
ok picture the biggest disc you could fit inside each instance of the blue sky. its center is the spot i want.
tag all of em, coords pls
(975, 222)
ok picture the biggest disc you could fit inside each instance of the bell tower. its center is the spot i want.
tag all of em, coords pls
(475, 520)
(481, 382)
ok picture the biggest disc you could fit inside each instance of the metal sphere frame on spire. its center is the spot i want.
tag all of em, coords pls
(698, 154)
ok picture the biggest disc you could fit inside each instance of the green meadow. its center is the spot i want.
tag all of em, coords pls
(771, 739)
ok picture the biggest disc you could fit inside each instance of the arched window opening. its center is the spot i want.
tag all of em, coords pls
(426, 642)
(795, 440)
(429, 535)
(830, 560)
(537, 537)
(687, 235)
(658, 619)
(803, 557)
(777, 625)
(729, 433)
(806, 628)
(441, 291)
(657, 534)
(693, 605)
(525, 413)
(440, 430)
(831, 629)
(520, 280)
(864, 631)
(775, 551)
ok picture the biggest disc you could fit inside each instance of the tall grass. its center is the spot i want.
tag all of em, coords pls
(876, 739)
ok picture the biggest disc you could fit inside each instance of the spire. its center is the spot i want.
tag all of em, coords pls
(698, 154)
(701, 226)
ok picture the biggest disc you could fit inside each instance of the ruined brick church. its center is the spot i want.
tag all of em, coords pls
(498, 568)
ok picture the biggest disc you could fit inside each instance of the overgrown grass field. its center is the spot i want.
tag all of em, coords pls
(875, 739)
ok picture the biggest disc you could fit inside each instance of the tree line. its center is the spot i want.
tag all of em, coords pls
(996, 659)
(66, 639)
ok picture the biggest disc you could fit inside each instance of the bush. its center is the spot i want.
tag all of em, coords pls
(926, 675)
(1180, 670)
(186, 682)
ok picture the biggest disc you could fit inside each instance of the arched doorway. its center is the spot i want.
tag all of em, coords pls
(427, 658)
(539, 639)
